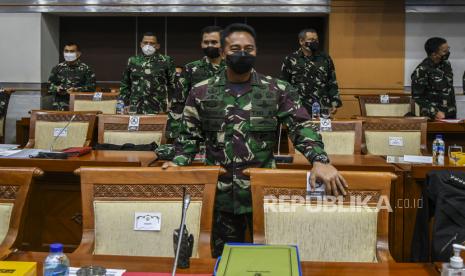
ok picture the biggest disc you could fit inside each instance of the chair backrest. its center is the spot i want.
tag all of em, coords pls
(394, 136)
(112, 196)
(345, 138)
(113, 129)
(14, 192)
(84, 101)
(398, 106)
(342, 232)
(46, 125)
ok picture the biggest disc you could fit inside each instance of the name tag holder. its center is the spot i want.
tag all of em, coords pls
(147, 221)
(325, 124)
(384, 99)
(396, 141)
(133, 123)
(61, 132)
(97, 96)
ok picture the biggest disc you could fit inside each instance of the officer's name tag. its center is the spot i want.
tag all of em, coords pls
(384, 99)
(325, 123)
(133, 123)
(97, 96)
(396, 141)
(147, 221)
(58, 131)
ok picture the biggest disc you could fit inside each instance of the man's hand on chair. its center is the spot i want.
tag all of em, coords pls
(335, 184)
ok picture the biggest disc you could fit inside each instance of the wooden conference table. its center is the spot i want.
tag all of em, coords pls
(54, 211)
(54, 208)
(151, 264)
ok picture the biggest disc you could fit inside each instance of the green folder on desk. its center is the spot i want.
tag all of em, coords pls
(259, 260)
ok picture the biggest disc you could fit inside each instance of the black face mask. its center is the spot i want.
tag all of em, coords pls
(211, 52)
(446, 56)
(312, 45)
(240, 62)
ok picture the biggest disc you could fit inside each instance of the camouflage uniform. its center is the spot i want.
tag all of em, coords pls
(148, 82)
(4, 98)
(78, 75)
(193, 73)
(314, 77)
(240, 132)
(433, 89)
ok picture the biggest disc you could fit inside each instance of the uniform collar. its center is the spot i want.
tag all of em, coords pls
(76, 64)
(220, 79)
(300, 53)
(155, 56)
(206, 61)
(431, 63)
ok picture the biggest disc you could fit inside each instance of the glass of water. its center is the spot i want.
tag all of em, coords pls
(454, 153)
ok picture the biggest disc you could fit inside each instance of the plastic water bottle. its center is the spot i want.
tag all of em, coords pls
(315, 110)
(439, 149)
(56, 263)
(120, 107)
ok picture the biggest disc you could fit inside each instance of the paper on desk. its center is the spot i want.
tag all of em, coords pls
(8, 152)
(418, 159)
(8, 146)
(110, 271)
(407, 159)
(452, 121)
(161, 274)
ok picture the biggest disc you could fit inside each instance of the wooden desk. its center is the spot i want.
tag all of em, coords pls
(94, 158)
(344, 162)
(150, 264)
(415, 176)
(54, 211)
(453, 133)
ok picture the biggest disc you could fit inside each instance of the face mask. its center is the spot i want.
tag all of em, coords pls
(148, 50)
(70, 57)
(240, 62)
(211, 52)
(446, 56)
(312, 45)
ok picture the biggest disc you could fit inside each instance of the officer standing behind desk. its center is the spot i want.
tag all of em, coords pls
(432, 82)
(149, 78)
(237, 113)
(72, 75)
(195, 72)
(312, 73)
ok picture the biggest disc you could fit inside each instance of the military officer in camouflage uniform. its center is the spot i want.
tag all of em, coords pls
(238, 112)
(72, 75)
(312, 73)
(432, 82)
(4, 98)
(195, 72)
(149, 78)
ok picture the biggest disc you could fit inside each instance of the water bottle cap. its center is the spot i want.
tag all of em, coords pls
(438, 136)
(56, 247)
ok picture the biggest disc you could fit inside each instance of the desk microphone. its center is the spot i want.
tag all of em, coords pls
(50, 154)
(182, 237)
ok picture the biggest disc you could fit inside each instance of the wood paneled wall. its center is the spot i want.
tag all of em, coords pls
(367, 41)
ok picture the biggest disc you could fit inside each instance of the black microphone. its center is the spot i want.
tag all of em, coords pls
(182, 239)
(56, 154)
